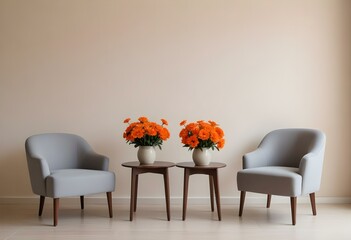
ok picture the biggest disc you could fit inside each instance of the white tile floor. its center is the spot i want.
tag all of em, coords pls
(21, 222)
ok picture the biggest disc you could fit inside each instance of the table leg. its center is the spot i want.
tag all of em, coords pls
(211, 193)
(166, 183)
(136, 192)
(132, 194)
(185, 191)
(216, 187)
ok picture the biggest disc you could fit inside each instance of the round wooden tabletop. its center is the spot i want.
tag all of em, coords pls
(156, 164)
(212, 165)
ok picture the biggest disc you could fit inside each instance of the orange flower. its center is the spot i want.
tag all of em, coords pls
(182, 123)
(201, 134)
(145, 133)
(204, 134)
(184, 139)
(212, 123)
(214, 137)
(192, 141)
(138, 132)
(206, 126)
(151, 131)
(221, 143)
(183, 133)
(128, 137)
(220, 132)
(128, 129)
(196, 131)
(143, 119)
(164, 134)
(158, 128)
(191, 127)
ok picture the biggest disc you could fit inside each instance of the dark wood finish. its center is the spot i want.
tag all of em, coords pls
(56, 208)
(269, 198)
(211, 193)
(158, 167)
(216, 188)
(185, 191)
(56, 205)
(313, 203)
(41, 205)
(167, 194)
(242, 201)
(82, 202)
(293, 201)
(191, 165)
(136, 192)
(212, 171)
(109, 203)
(132, 194)
(156, 164)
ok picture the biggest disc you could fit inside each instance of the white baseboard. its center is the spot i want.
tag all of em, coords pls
(250, 200)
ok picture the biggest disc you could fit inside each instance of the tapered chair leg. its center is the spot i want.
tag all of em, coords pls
(41, 205)
(269, 198)
(313, 203)
(109, 202)
(82, 202)
(293, 209)
(56, 207)
(242, 201)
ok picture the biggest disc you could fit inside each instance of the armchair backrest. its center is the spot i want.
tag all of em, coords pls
(60, 150)
(288, 146)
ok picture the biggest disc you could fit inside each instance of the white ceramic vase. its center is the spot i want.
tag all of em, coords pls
(202, 157)
(146, 155)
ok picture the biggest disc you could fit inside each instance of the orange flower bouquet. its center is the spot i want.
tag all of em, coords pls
(146, 133)
(202, 134)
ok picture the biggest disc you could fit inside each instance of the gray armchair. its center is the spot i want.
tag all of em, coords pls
(64, 165)
(287, 162)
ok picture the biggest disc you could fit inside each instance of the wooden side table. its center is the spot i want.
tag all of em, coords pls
(159, 167)
(212, 171)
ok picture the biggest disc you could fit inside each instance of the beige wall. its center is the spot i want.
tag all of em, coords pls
(252, 66)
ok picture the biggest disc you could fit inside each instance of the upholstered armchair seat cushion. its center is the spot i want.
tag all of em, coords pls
(76, 182)
(274, 180)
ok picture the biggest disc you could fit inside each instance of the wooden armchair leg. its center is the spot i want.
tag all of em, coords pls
(313, 203)
(56, 207)
(41, 205)
(293, 209)
(269, 198)
(242, 201)
(82, 202)
(109, 202)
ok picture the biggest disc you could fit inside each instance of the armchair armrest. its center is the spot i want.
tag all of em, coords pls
(310, 167)
(95, 161)
(38, 171)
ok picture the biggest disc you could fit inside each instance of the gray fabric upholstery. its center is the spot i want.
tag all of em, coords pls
(78, 182)
(62, 165)
(284, 181)
(287, 162)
